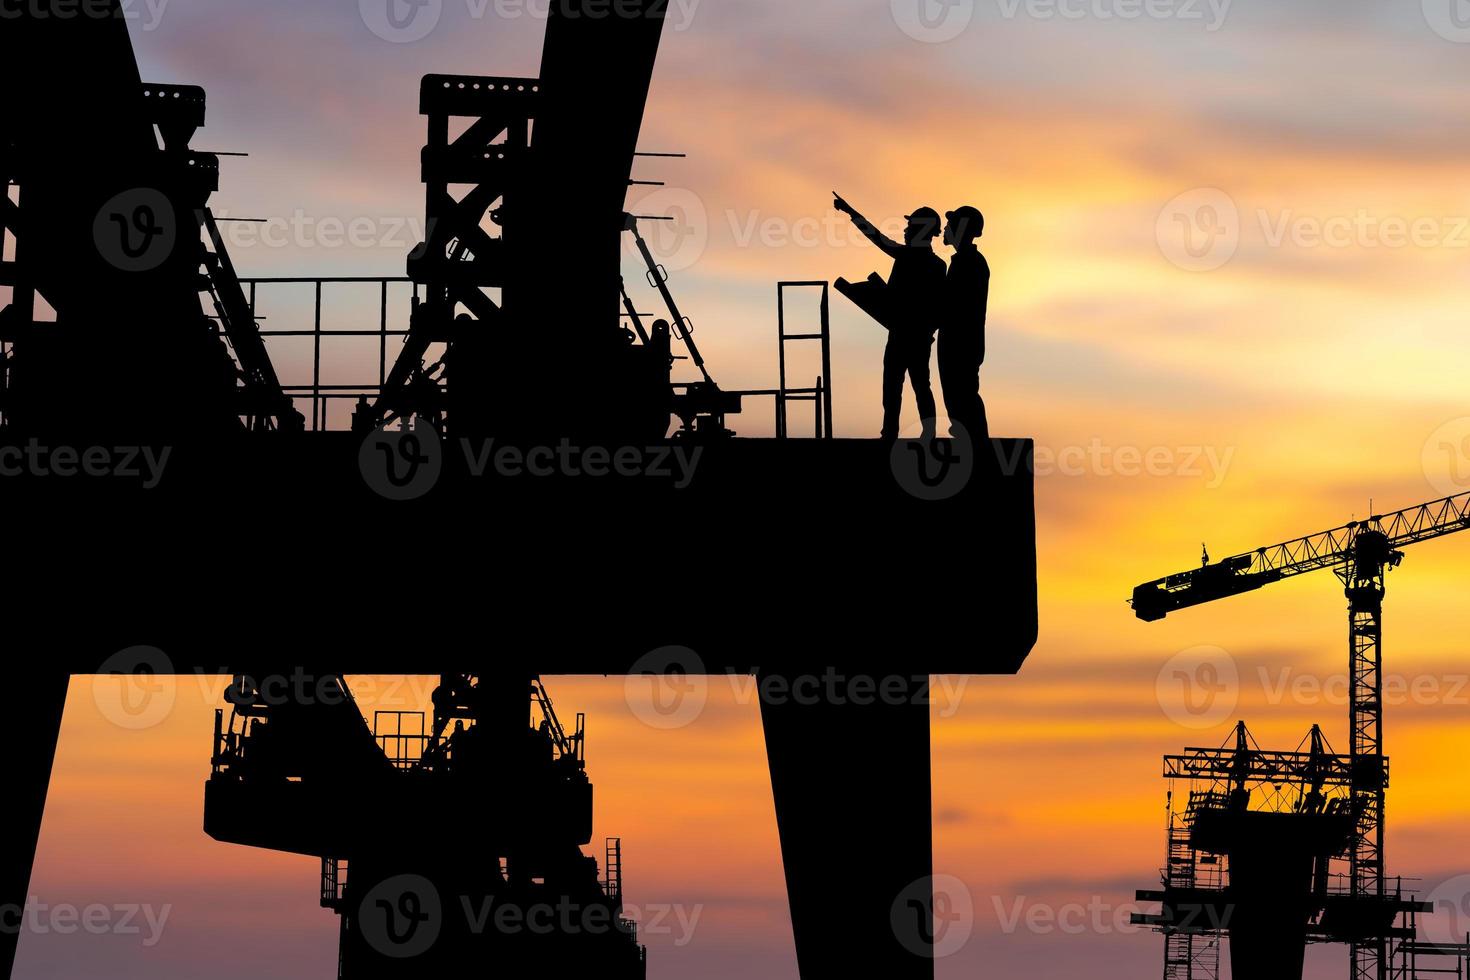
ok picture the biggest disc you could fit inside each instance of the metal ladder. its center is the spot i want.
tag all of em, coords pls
(820, 394)
(612, 870)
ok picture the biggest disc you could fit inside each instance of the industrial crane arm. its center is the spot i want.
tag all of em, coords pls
(658, 277)
(1326, 549)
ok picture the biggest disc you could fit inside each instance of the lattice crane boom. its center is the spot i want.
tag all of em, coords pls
(1326, 549)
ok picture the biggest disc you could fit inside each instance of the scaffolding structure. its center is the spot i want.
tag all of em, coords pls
(1197, 898)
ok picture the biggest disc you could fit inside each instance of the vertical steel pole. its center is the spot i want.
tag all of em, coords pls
(826, 392)
(318, 410)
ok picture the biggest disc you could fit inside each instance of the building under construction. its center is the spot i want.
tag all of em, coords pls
(1280, 849)
(271, 547)
(1257, 850)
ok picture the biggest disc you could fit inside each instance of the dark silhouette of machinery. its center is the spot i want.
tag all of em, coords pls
(549, 161)
(442, 846)
(1368, 916)
(267, 548)
(109, 237)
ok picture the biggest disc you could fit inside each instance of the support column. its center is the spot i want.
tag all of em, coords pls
(30, 723)
(852, 793)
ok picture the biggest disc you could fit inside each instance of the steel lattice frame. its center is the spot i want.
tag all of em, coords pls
(1365, 590)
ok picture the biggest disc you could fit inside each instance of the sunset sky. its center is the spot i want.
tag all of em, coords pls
(1232, 239)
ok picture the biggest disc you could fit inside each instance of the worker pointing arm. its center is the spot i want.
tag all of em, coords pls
(888, 245)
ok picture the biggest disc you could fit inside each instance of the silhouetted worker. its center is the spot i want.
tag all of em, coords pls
(914, 291)
(962, 323)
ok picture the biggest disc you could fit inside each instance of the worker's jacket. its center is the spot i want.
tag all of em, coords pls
(915, 297)
(966, 296)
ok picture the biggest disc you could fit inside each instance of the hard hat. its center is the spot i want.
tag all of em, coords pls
(922, 215)
(967, 219)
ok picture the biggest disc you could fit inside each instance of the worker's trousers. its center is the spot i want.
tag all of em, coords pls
(907, 354)
(959, 377)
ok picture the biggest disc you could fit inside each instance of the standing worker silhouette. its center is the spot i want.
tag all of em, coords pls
(915, 288)
(962, 324)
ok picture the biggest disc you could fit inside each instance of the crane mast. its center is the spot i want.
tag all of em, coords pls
(1361, 553)
(1364, 575)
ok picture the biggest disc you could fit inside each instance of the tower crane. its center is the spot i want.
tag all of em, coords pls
(1361, 553)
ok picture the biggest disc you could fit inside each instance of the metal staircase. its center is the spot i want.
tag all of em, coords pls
(264, 403)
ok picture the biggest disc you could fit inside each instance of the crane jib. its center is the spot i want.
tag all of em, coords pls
(1247, 572)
